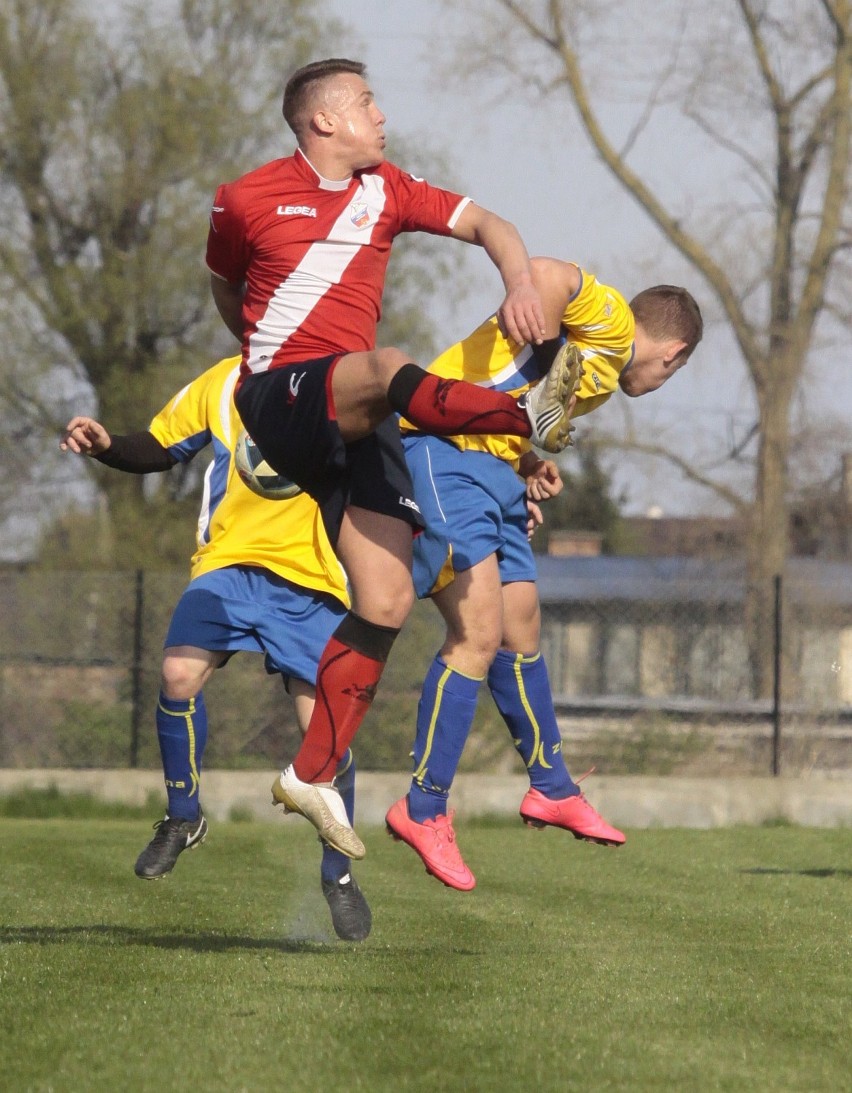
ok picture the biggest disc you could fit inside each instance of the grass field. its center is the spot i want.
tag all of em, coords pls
(714, 960)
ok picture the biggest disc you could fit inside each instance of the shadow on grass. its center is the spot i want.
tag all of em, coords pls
(127, 935)
(197, 942)
(760, 871)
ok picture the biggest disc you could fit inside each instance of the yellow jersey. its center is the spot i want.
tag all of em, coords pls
(235, 526)
(597, 319)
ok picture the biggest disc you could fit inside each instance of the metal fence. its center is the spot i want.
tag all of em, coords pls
(651, 671)
(760, 676)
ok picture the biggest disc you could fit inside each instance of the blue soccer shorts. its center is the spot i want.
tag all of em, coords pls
(248, 608)
(474, 504)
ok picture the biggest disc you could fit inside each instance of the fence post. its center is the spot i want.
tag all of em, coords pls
(136, 670)
(776, 682)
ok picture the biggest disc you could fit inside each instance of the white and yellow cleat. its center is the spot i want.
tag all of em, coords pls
(547, 404)
(323, 806)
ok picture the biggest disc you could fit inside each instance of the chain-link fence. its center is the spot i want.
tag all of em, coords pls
(655, 667)
(711, 672)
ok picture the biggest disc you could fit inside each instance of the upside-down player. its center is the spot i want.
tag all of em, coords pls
(475, 561)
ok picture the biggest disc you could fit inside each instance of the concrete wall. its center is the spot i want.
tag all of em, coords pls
(634, 801)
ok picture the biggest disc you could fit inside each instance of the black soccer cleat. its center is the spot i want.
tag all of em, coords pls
(172, 838)
(350, 912)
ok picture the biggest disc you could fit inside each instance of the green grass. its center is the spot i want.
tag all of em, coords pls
(687, 960)
(52, 804)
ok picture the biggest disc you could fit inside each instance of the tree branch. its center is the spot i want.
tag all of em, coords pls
(688, 470)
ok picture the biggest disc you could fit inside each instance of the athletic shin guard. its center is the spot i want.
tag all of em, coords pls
(182, 736)
(349, 672)
(521, 689)
(444, 717)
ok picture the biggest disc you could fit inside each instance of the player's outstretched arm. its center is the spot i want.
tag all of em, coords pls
(521, 314)
(136, 453)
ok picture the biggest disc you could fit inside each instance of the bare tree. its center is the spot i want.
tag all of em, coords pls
(761, 92)
(115, 129)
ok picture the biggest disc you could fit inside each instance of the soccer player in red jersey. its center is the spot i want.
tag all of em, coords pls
(298, 250)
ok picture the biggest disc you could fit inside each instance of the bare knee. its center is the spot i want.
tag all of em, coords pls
(471, 650)
(384, 365)
(378, 367)
(181, 678)
(386, 604)
(360, 388)
(388, 361)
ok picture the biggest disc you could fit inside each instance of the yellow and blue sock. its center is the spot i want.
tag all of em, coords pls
(335, 865)
(521, 688)
(182, 736)
(444, 717)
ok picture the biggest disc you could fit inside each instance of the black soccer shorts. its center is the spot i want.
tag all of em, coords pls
(289, 413)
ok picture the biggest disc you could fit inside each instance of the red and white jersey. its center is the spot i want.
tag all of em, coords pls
(314, 253)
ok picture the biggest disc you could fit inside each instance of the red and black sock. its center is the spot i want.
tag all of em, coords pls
(445, 407)
(349, 672)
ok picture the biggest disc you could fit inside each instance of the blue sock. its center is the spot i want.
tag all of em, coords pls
(335, 865)
(521, 689)
(444, 717)
(182, 735)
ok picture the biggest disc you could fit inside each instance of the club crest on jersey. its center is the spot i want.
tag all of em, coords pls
(359, 214)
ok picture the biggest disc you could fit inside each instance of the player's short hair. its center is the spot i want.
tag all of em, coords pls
(669, 312)
(301, 86)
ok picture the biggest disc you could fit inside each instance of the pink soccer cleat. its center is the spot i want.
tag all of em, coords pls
(575, 814)
(435, 842)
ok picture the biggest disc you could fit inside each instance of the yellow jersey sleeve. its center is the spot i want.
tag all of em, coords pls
(235, 526)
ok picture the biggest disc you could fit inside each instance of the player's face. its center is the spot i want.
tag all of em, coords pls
(644, 376)
(359, 124)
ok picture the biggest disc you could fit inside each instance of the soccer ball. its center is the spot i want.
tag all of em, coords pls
(256, 473)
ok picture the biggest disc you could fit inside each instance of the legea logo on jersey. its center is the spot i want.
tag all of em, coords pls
(360, 215)
(297, 210)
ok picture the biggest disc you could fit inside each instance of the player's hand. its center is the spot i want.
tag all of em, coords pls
(85, 436)
(534, 518)
(543, 480)
(521, 315)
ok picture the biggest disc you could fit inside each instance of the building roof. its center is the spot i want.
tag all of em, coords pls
(683, 580)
